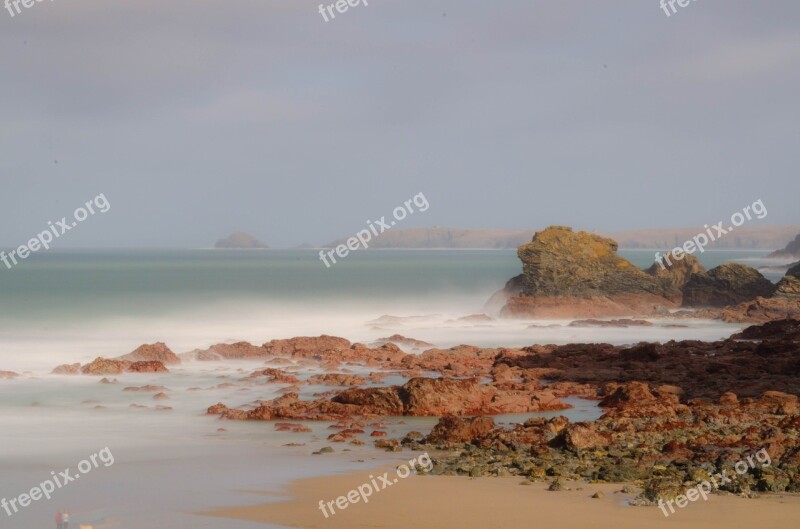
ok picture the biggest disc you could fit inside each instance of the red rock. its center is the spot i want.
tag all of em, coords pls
(582, 436)
(377, 433)
(291, 427)
(379, 401)
(157, 352)
(276, 375)
(225, 351)
(148, 367)
(161, 396)
(460, 429)
(104, 366)
(8, 375)
(336, 379)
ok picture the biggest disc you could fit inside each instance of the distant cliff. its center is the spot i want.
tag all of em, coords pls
(240, 241)
(744, 238)
(792, 249)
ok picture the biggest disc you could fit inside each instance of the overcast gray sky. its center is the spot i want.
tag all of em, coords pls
(197, 118)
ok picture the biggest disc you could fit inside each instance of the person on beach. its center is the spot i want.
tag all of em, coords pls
(59, 521)
(65, 520)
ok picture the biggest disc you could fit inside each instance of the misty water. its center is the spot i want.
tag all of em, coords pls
(64, 307)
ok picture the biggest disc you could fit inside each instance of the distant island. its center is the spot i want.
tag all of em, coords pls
(744, 238)
(240, 241)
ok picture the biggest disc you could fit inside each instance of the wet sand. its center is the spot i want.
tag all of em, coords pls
(446, 502)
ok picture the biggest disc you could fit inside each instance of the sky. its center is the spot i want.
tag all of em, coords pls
(198, 118)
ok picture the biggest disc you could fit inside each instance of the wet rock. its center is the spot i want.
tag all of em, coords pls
(460, 429)
(147, 367)
(158, 352)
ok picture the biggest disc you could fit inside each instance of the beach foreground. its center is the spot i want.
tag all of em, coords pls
(455, 502)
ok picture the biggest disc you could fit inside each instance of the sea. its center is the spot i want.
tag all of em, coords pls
(172, 462)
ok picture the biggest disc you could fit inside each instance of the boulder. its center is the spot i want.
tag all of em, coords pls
(579, 274)
(151, 366)
(452, 429)
(158, 352)
(561, 262)
(673, 274)
(727, 284)
(105, 366)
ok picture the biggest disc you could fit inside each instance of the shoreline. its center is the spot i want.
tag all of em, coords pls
(500, 502)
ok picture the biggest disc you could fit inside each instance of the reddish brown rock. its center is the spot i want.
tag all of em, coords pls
(8, 375)
(336, 379)
(636, 399)
(104, 366)
(582, 436)
(224, 351)
(151, 366)
(460, 429)
(67, 369)
(157, 352)
(376, 401)
(401, 340)
(291, 427)
(275, 375)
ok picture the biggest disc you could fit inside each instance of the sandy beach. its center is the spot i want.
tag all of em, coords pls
(447, 502)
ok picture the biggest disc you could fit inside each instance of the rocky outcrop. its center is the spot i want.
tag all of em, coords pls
(561, 262)
(728, 284)
(460, 429)
(789, 285)
(792, 250)
(8, 375)
(673, 274)
(675, 446)
(149, 366)
(579, 274)
(240, 241)
(106, 366)
(701, 369)
(784, 303)
(158, 352)
(418, 397)
(225, 351)
(570, 274)
(336, 379)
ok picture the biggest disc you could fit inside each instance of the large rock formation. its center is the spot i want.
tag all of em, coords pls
(792, 250)
(673, 274)
(784, 303)
(240, 241)
(561, 262)
(579, 274)
(727, 284)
